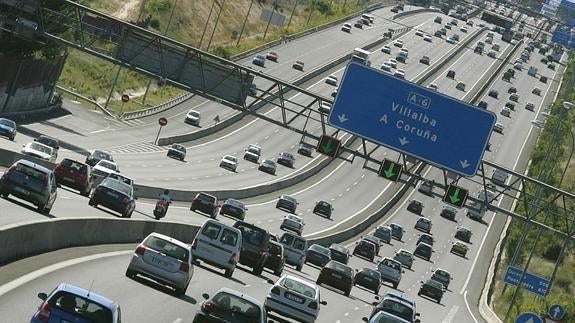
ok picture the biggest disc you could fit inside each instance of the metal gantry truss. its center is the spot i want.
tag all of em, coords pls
(105, 37)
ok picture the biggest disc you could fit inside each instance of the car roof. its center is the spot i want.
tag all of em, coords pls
(239, 294)
(338, 247)
(33, 165)
(399, 296)
(87, 294)
(299, 280)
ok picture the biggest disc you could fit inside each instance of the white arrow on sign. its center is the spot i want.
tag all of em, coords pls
(464, 163)
(342, 118)
(403, 141)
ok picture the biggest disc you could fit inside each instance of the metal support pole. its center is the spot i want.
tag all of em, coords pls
(142, 7)
(221, 6)
(311, 9)
(244, 24)
(113, 87)
(270, 20)
(171, 16)
(206, 26)
(292, 12)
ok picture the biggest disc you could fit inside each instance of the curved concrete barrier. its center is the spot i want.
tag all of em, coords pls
(33, 238)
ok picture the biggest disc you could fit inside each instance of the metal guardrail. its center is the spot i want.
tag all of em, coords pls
(99, 106)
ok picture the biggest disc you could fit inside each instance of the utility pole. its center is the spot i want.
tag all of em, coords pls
(244, 24)
(206, 26)
(292, 12)
(271, 16)
(221, 6)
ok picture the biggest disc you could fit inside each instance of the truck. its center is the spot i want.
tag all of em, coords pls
(361, 56)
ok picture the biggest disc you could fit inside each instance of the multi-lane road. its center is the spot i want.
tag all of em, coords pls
(349, 187)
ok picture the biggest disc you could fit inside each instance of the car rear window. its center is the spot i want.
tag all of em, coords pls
(31, 172)
(117, 186)
(399, 309)
(48, 142)
(168, 248)
(79, 167)
(229, 237)
(252, 235)
(299, 244)
(8, 123)
(211, 230)
(101, 154)
(339, 267)
(299, 287)
(242, 309)
(206, 197)
(81, 307)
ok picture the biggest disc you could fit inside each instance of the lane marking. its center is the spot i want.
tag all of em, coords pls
(451, 315)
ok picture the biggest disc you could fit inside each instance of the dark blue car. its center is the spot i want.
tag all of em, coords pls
(68, 303)
(8, 128)
(116, 195)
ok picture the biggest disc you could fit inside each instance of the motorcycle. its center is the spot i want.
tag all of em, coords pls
(160, 209)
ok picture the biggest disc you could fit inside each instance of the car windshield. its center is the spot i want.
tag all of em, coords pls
(101, 154)
(289, 199)
(231, 158)
(8, 123)
(240, 309)
(178, 147)
(398, 309)
(41, 148)
(434, 284)
(235, 203)
(298, 287)
(168, 248)
(320, 249)
(81, 307)
(269, 162)
(442, 274)
(286, 155)
(253, 150)
(117, 185)
(391, 263)
(194, 113)
(294, 218)
(108, 165)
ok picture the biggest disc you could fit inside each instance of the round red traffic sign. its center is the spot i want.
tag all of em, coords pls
(163, 121)
(125, 98)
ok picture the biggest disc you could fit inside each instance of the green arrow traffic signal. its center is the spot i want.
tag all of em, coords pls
(455, 195)
(390, 170)
(328, 145)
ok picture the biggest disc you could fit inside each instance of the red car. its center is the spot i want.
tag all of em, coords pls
(298, 65)
(272, 56)
(365, 249)
(74, 174)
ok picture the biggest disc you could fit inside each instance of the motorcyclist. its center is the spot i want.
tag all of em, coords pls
(165, 196)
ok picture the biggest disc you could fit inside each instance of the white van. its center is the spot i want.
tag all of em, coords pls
(294, 249)
(219, 245)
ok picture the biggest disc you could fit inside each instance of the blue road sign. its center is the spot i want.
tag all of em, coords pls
(532, 283)
(568, 4)
(556, 312)
(528, 317)
(412, 119)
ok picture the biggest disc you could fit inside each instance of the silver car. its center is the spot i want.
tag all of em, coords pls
(165, 260)
(404, 257)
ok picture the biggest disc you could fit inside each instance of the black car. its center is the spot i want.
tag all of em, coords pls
(323, 208)
(463, 234)
(227, 306)
(96, 156)
(286, 159)
(276, 259)
(287, 203)
(368, 278)
(337, 275)
(482, 105)
(115, 195)
(415, 206)
(423, 250)
(448, 212)
(426, 238)
(493, 93)
(339, 253)
(426, 187)
(177, 151)
(305, 149)
(510, 105)
(317, 255)
(255, 244)
(234, 208)
(396, 231)
(365, 249)
(433, 289)
(206, 203)
(268, 166)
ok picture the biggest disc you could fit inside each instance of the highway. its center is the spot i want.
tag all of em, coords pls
(348, 186)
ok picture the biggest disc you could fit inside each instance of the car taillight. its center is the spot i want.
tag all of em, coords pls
(184, 267)
(313, 305)
(232, 259)
(140, 250)
(208, 306)
(44, 312)
(275, 290)
(262, 249)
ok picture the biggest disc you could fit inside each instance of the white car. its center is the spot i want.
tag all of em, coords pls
(404, 52)
(505, 111)
(193, 117)
(332, 80)
(399, 73)
(293, 223)
(393, 63)
(428, 38)
(38, 150)
(229, 162)
(492, 54)
(165, 260)
(386, 67)
(386, 49)
(498, 127)
(398, 43)
(419, 32)
(102, 170)
(432, 86)
(346, 27)
(294, 298)
(450, 40)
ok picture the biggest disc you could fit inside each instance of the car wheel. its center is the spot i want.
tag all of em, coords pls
(438, 300)
(278, 272)
(42, 208)
(130, 273)
(318, 282)
(5, 195)
(418, 293)
(376, 291)
(181, 291)
(229, 272)
(394, 285)
(299, 267)
(347, 292)
(86, 192)
(371, 259)
(93, 203)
